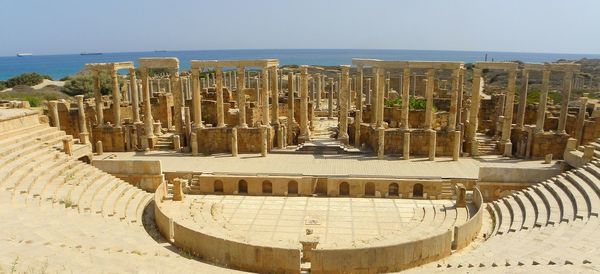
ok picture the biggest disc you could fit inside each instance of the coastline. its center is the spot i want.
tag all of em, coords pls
(59, 66)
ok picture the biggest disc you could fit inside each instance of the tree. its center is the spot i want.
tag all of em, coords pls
(83, 83)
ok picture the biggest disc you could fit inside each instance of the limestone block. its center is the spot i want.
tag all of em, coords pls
(194, 144)
(176, 142)
(99, 149)
(68, 145)
(178, 185)
(548, 159)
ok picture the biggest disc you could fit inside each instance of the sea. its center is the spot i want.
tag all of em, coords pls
(59, 66)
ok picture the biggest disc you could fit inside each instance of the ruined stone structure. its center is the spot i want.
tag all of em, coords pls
(378, 166)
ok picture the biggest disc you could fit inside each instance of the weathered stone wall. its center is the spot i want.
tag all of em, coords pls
(25, 118)
(214, 140)
(113, 139)
(309, 185)
(144, 174)
(402, 255)
(218, 140)
(548, 143)
(162, 109)
(465, 233)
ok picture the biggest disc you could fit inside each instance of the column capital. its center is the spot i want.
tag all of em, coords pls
(304, 69)
(79, 98)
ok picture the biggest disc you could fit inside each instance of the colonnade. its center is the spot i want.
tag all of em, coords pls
(568, 70)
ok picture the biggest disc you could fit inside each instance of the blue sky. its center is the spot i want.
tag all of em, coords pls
(73, 26)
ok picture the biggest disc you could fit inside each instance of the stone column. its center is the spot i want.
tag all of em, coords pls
(116, 96)
(135, 103)
(291, 113)
(359, 106)
(541, 114)
(459, 107)
(219, 91)
(194, 143)
(387, 86)
(274, 97)
(380, 98)
(318, 91)
(453, 100)
(337, 89)
(522, 99)
(564, 102)
(581, 120)
(264, 95)
(432, 144)
(474, 112)
(374, 101)
(429, 97)
(234, 142)
(83, 133)
(344, 97)
(312, 91)
(98, 99)
(330, 101)
(304, 130)
(148, 122)
(456, 145)
(175, 89)
(405, 98)
(53, 113)
(508, 112)
(241, 97)
(369, 90)
(263, 140)
(197, 98)
(406, 145)
(380, 143)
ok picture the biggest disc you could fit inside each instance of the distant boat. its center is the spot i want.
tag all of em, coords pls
(160, 50)
(91, 53)
(24, 54)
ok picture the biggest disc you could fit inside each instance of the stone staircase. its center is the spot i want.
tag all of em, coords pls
(164, 142)
(549, 225)
(62, 215)
(325, 146)
(447, 192)
(486, 145)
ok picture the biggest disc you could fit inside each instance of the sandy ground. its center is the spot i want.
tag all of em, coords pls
(42, 85)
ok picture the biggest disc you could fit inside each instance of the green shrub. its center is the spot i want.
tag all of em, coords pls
(83, 84)
(34, 101)
(27, 79)
(2, 85)
(534, 97)
(413, 103)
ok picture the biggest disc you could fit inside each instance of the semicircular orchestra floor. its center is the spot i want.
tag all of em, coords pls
(336, 222)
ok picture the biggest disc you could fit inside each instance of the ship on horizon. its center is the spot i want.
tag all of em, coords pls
(91, 53)
(24, 54)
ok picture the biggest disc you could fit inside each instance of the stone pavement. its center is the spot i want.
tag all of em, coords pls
(337, 222)
(327, 165)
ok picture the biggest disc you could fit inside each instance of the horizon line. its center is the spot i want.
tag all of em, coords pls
(259, 49)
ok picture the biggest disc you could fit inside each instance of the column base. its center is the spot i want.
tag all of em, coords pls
(84, 138)
(508, 149)
(344, 139)
(152, 141)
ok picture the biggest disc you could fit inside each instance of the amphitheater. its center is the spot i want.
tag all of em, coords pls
(249, 166)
